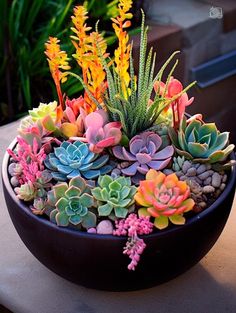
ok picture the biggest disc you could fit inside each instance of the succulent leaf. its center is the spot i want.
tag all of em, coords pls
(161, 222)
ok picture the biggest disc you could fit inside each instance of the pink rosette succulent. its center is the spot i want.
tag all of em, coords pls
(164, 197)
(76, 105)
(72, 126)
(144, 153)
(99, 133)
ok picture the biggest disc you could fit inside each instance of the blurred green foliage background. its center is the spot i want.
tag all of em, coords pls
(25, 26)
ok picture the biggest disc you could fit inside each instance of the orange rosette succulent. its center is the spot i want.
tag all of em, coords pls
(163, 197)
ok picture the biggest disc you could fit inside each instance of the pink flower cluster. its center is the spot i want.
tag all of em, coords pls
(133, 226)
(30, 160)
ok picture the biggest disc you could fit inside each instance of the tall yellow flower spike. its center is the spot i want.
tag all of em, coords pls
(88, 49)
(122, 53)
(57, 61)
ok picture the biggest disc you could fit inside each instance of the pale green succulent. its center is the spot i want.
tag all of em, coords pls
(178, 163)
(44, 110)
(115, 196)
(72, 203)
(26, 192)
(201, 142)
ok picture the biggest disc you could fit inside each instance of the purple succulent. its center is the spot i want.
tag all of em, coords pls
(144, 153)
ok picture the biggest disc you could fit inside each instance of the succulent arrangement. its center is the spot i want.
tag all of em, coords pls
(123, 159)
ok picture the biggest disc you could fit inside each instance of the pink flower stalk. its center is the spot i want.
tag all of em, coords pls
(133, 226)
(99, 133)
(30, 159)
(173, 88)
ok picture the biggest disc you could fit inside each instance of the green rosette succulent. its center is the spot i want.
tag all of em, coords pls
(44, 110)
(26, 192)
(201, 142)
(72, 203)
(75, 159)
(115, 196)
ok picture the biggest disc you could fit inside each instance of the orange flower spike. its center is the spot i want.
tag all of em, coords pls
(167, 200)
(122, 53)
(57, 60)
(88, 48)
(81, 39)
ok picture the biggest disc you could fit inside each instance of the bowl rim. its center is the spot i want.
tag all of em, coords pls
(190, 221)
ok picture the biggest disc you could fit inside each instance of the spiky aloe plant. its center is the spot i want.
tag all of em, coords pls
(133, 107)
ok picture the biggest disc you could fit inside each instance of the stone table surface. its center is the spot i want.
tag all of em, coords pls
(26, 286)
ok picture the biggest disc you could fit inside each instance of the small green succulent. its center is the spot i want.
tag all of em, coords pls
(201, 142)
(26, 192)
(72, 203)
(114, 195)
(44, 110)
(178, 163)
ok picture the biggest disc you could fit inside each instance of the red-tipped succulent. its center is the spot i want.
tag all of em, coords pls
(164, 198)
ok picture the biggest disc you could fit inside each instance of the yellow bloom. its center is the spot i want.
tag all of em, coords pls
(88, 47)
(122, 53)
(57, 61)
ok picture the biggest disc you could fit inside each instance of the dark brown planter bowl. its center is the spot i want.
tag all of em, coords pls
(96, 261)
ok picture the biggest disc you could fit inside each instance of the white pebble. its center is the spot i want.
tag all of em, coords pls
(105, 227)
(191, 172)
(208, 189)
(224, 179)
(201, 169)
(207, 181)
(216, 180)
(222, 187)
(14, 181)
(202, 204)
(92, 230)
(198, 180)
(11, 169)
(186, 166)
(204, 175)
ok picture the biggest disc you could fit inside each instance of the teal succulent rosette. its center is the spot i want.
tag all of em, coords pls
(201, 142)
(75, 159)
(72, 203)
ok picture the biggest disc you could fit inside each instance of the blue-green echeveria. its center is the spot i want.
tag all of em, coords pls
(201, 142)
(72, 203)
(115, 196)
(75, 159)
